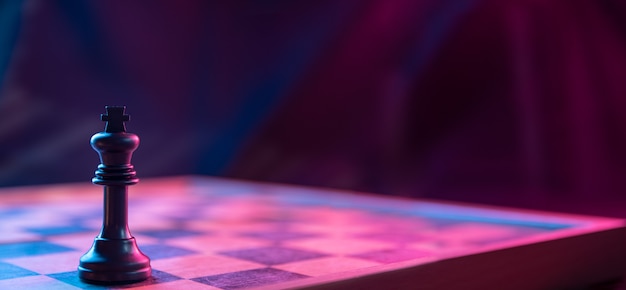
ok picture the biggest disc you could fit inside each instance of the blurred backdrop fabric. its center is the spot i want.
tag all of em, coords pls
(509, 102)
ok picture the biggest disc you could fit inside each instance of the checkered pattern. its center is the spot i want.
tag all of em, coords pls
(215, 234)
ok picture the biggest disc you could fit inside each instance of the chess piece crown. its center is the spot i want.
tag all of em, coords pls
(115, 147)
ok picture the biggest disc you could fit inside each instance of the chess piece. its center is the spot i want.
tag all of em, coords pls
(114, 256)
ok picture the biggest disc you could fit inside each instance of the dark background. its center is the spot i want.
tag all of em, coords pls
(517, 103)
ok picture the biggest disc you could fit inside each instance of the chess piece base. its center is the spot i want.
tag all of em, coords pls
(114, 261)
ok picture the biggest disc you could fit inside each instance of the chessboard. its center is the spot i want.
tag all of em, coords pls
(213, 233)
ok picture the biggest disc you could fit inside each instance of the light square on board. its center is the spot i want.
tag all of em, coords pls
(36, 282)
(339, 246)
(331, 229)
(38, 217)
(278, 235)
(439, 248)
(221, 225)
(212, 244)
(48, 264)
(16, 235)
(328, 214)
(250, 208)
(326, 265)
(393, 255)
(397, 237)
(202, 265)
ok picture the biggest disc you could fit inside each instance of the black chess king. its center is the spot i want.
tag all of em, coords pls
(114, 257)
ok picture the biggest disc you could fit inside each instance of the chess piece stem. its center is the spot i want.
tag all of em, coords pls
(115, 224)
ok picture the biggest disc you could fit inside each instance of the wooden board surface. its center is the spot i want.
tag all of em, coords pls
(210, 233)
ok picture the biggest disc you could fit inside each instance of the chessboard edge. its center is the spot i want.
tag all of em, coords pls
(567, 263)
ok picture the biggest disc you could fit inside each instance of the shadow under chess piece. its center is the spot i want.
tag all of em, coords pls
(114, 257)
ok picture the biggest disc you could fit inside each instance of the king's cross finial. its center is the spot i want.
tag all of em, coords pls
(115, 118)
